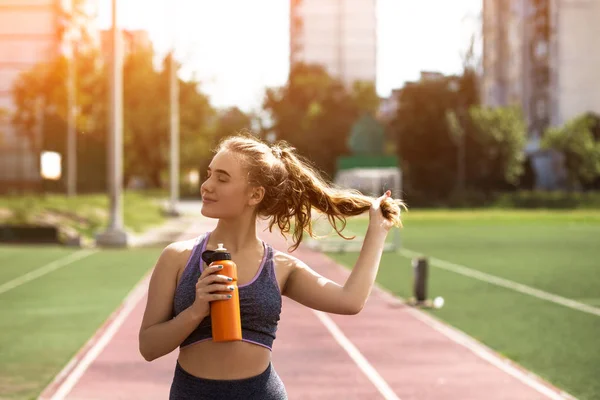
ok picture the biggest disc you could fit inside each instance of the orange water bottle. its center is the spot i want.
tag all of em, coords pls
(225, 314)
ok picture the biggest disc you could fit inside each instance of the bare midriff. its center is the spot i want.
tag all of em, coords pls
(220, 361)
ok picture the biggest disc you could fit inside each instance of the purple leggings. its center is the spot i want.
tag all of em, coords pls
(266, 386)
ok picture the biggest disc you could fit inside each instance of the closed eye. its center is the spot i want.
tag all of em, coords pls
(220, 178)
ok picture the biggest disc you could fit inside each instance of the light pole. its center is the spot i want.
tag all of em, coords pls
(71, 105)
(115, 236)
(174, 119)
(174, 128)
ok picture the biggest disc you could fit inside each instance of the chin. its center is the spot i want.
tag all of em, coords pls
(214, 211)
(207, 212)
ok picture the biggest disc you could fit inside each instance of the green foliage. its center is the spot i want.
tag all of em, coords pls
(40, 96)
(456, 129)
(549, 200)
(84, 214)
(367, 136)
(501, 133)
(231, 121)
(365, 97)
(439, 124)
(579, 148)
(315, 112)
(424, 142)
(3, 121)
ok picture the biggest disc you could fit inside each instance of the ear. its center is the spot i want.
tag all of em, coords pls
(257, 193)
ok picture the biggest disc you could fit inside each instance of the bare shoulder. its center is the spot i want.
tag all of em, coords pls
(177, 250)
(174, 257)
(286, 260)
(285, 264)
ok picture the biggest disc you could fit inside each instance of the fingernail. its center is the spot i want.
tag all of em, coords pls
(230, 279)
(220, 267)
(228, 296)
(231, 288)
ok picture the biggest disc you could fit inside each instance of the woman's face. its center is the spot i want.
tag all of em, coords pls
(225, 192)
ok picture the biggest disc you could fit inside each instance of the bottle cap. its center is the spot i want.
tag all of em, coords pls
(220, 253)
(221, 248)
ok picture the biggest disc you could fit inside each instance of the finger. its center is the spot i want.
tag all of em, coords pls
(218, 278)
(378, 200)
(214, 297)
(218, 288)
(210, 270)
(212, 279)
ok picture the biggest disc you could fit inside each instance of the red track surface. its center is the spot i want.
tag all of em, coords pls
(416, 360)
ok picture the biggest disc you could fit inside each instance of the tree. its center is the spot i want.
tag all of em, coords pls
(40, 97)
(40, 93)
(424, 143)
(367, 137)
(314, 112)
(579, 147)
(501, 134)
(40, 117)
(230, 121)
(146, 119)
(3, 121)
(365, 97)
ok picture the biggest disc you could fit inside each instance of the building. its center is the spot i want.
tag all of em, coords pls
(29, 34)
(341, 35)
(542, 55)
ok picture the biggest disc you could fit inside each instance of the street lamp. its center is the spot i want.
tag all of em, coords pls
(174, 119)
(115, 236)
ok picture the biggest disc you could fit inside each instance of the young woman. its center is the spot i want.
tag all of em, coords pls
(248, 179)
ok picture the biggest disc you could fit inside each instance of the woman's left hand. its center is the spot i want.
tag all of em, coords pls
(376, 218)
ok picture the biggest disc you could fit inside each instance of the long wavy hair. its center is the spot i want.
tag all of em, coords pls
(293, 188)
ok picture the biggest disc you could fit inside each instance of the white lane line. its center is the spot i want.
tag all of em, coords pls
(46, 269)
(78, 368)
(518, 287)
(481, 350)
(356, 355)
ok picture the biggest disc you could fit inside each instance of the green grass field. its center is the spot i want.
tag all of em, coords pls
(85, 215)
(45, 321)
(556, 252)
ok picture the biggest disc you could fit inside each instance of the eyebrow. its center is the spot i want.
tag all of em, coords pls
(220, 171)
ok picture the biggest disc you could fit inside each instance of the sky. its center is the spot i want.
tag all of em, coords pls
(236, 48)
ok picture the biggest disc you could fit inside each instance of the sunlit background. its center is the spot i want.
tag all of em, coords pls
(240, 47)
(482, 115)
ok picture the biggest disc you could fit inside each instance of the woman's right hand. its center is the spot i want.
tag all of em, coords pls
(208, 284)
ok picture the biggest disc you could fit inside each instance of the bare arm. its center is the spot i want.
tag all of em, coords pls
(159, 334)
(309, 288)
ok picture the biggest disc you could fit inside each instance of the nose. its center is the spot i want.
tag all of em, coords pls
(206, 187)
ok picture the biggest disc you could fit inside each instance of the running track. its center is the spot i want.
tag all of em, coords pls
(388, 351)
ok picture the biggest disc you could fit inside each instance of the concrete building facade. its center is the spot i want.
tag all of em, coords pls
(341, 35)
(542, 55)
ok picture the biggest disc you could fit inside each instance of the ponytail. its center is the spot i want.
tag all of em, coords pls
(305, 189)
(293, 188)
